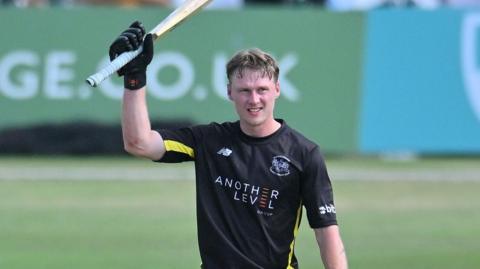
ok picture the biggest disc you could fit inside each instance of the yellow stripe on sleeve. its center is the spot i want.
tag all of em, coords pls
(295, 232)
(171, 145)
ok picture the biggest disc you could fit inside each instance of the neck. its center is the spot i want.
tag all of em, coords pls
(262, 130)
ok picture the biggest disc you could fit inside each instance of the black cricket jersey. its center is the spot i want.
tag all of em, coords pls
(250, 192)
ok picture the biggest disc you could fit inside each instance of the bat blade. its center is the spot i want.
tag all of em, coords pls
(185, 10)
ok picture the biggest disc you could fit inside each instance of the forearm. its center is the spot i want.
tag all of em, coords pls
(136, 129)
(331, 247)
(138, 137)
(334, 256)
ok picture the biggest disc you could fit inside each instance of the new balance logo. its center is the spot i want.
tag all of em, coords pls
(225, 152)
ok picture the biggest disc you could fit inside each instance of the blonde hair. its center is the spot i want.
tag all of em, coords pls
(252, 59)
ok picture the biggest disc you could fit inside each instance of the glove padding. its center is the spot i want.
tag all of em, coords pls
(131, 39)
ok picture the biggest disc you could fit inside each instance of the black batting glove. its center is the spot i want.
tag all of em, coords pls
(134, 72)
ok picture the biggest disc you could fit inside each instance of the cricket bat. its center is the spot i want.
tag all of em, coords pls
(185, 10)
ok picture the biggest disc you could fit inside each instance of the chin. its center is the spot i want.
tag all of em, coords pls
(254, 123)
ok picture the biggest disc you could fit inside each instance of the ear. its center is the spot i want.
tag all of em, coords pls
(277, 89)
(229, 91)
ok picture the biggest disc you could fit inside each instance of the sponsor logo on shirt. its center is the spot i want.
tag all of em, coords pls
(224, 152)
(280, 166)
(327, 209)
(263, 198)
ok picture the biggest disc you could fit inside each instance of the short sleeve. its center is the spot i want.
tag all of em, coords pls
(317, 194)
(179, 145)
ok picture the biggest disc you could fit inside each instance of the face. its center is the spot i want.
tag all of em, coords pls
(254, 97)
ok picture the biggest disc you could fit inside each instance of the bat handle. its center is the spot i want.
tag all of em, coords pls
(95, 79)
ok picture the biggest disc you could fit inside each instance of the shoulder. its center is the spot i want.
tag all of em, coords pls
(299, 140)
(307, 152)
(215, 126)
(214, 129)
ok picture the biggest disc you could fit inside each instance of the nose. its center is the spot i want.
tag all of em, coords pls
(254, 98)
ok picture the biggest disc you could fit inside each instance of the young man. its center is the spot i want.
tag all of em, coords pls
(252, 176)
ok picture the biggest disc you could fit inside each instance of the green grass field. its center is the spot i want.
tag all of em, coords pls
(128, 213)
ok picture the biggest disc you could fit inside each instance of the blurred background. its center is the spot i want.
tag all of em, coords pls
(389, 89)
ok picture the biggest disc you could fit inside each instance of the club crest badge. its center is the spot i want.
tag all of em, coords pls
(280, 166)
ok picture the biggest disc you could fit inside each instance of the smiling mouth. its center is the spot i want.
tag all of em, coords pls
(256, 109)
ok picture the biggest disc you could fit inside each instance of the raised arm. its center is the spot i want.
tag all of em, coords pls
(138, 137)
(331, 247)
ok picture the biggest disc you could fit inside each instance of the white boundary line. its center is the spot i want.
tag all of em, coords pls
(173, 172)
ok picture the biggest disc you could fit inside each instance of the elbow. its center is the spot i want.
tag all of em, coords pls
(135, 148)
(148, 146)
